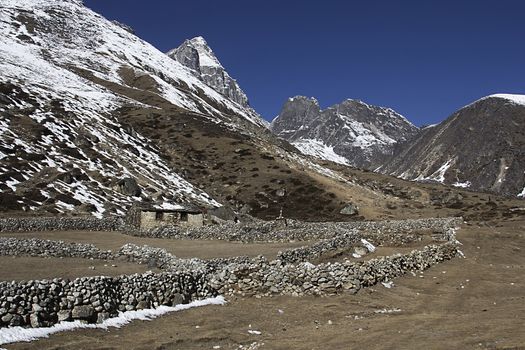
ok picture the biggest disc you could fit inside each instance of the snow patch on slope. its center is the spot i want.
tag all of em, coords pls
(438, 175)
(318, 149)
(517, 99)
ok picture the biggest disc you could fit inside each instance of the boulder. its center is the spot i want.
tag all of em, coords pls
(129, 187)
(350, 209)
(83, 312)
(64, 315)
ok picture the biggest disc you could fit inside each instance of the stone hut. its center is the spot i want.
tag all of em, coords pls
(150, 217)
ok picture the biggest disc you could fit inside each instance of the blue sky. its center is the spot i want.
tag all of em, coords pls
(425, 59)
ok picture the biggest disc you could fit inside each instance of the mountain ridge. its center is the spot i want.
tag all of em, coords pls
(351, 132)
(478, 147)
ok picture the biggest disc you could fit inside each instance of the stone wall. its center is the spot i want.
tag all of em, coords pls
(275, 231)
(47, 248)
(267, 278)
(35, 224)
(93, 299)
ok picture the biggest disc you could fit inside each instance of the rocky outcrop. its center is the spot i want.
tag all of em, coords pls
(198, 56)
(351, 132)
(480, 147)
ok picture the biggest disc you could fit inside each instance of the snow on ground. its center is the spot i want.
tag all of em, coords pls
(513, 98)
(369, 246)
(318, 149)
(465, 184)
(20, 334)
(522, 194)
(438, 175)
(42, 69)
(517, 99)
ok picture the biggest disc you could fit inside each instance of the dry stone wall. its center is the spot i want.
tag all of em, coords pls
(35, 224)
(93, 299)
(275, 231)
(266, 278)
(47, 248)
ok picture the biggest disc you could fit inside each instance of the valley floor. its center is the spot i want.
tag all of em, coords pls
(472, 303)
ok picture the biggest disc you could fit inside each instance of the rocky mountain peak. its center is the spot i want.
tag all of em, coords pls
(197, 55)
(352, 132)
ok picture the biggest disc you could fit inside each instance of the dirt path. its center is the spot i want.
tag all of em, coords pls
(472, 303)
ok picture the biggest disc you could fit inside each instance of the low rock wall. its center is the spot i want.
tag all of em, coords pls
(94, 299)
(263, 278)
(10, 246)
(275, 231)
(35, 224)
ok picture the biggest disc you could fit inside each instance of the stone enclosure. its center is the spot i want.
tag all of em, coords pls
(94, 299)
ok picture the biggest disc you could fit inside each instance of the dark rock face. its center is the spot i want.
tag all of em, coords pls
(198, 56)
(352, 132)
(481, 147)
(129, 187)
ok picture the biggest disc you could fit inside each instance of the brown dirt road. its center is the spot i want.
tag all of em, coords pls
(472, 303)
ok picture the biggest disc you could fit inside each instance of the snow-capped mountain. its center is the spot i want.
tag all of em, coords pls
(199, 57)
(480, 147)
(66, 74)
(92, 119)
(352, 132)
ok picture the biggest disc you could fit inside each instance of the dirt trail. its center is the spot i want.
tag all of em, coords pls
(472, 303)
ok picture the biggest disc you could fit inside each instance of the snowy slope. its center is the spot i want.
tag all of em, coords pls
(70, 34)
(60, 145)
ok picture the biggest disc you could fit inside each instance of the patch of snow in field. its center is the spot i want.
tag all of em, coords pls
(465, 184)
(387, 311)
(388, 284)
(522, 194)
(20, 334)
(371, 248)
